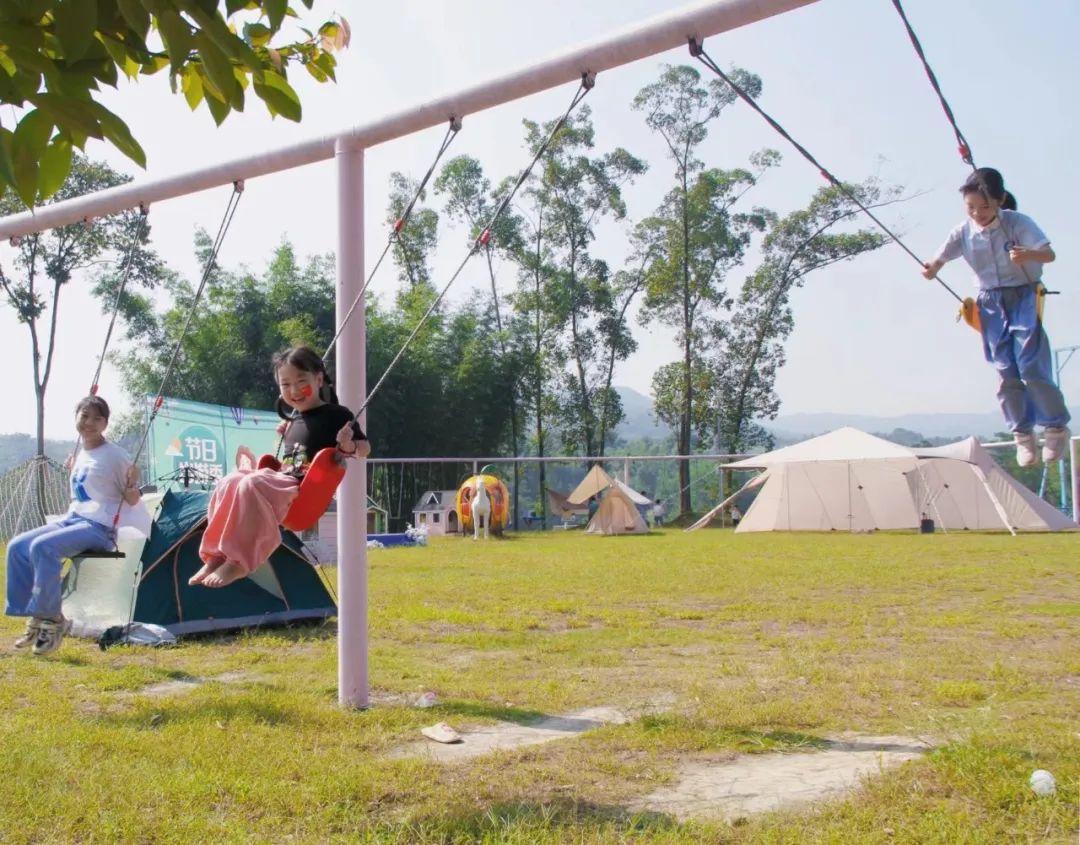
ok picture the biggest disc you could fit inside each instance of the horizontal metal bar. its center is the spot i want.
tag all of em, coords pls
(664, 32)
(557, 459)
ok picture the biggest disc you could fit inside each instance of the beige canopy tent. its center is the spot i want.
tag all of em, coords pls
(962, 486)
(848, 480)
(617, 513)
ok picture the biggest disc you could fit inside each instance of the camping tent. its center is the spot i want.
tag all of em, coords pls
(961, 486)
(848, 480)
(617, 513)
(98, 591)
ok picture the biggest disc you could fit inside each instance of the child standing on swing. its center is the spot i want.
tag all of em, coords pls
(1007, 251)
(248, 505)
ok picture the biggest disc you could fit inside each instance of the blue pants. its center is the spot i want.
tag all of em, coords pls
(35, 560)
(1015, 343)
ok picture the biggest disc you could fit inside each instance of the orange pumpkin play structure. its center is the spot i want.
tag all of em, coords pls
(500, 502)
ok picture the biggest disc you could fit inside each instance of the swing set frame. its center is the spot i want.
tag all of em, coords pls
(669, 31)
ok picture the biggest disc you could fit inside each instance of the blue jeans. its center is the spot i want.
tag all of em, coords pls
(1015, 343)
(35, 560)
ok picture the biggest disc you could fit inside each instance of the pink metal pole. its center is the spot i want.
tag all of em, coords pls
(667, 31)
(352, 388)
(1074, 455)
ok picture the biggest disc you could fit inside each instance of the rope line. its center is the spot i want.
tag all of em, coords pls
(963, 147)
(451, 133)
(143, 213)
(698, 51)
(588, 80)
(226, 221)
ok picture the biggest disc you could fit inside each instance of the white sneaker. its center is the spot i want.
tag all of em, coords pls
(50, 635)
(33, 624)
(1027, 454)
(1055, 440)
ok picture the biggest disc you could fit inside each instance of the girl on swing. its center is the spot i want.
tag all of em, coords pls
(1007, 251)
(248, 505)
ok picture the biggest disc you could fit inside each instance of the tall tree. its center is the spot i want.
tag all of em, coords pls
(56, 54)
(44, 263)
(471, 201)
(539, 319)
(578, 189)
(417, 238)
(750, 348)
(679, 109)
(696, 239)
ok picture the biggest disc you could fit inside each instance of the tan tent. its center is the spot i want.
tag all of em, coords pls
(617, 513)
(848, 480)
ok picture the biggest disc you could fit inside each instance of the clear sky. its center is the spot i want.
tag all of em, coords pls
(871, 337)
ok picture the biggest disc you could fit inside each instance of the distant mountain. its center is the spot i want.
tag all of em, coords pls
(952, 426)
(17, 448)
(791, 428)
(638, 421)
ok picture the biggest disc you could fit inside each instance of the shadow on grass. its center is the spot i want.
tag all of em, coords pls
(561, 817)
(474, 709)
(296, 632)
(152, 715)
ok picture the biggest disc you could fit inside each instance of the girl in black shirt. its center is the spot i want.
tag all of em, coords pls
(247, 506)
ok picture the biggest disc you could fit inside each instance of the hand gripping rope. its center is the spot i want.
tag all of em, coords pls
(698, 51)
(588, 80)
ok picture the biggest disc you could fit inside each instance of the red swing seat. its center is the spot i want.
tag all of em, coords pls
(317, 488)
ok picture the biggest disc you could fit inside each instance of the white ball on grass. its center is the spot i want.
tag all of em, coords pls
(1042, 782)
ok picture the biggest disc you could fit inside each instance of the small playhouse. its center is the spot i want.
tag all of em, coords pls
(322, 539)
(436, 511)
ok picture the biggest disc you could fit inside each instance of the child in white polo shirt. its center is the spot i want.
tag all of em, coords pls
(1007, 251)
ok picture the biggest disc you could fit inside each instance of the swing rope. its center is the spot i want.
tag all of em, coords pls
(588, 80)
(226, 221)
(963, 147)
(698, 51)
(451, 134)
(129, 262)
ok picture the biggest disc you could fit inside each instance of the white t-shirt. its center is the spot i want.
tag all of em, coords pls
(98, 480)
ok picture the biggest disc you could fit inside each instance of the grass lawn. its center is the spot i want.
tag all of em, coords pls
(719, 643)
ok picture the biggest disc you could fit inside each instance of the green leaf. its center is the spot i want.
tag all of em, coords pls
(192, 87)
(136, 16)
(7, 64)
(7, 168)
(326, 63)
(27, 146)
(220, 70)
(54, 168)
(177, 36)
(70, 113)
(117, 132)
(256, 34)
(74, 23)
(278, 95)
(275, 12)
(155, 64)
(218, 110)
(234, 6)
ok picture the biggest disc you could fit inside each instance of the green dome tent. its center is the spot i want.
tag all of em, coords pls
(98, 590)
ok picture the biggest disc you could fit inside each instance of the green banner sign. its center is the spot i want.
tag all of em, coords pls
(204, 438)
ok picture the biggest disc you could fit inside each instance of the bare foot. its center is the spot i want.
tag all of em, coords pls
(207, 568)
(225, 575)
